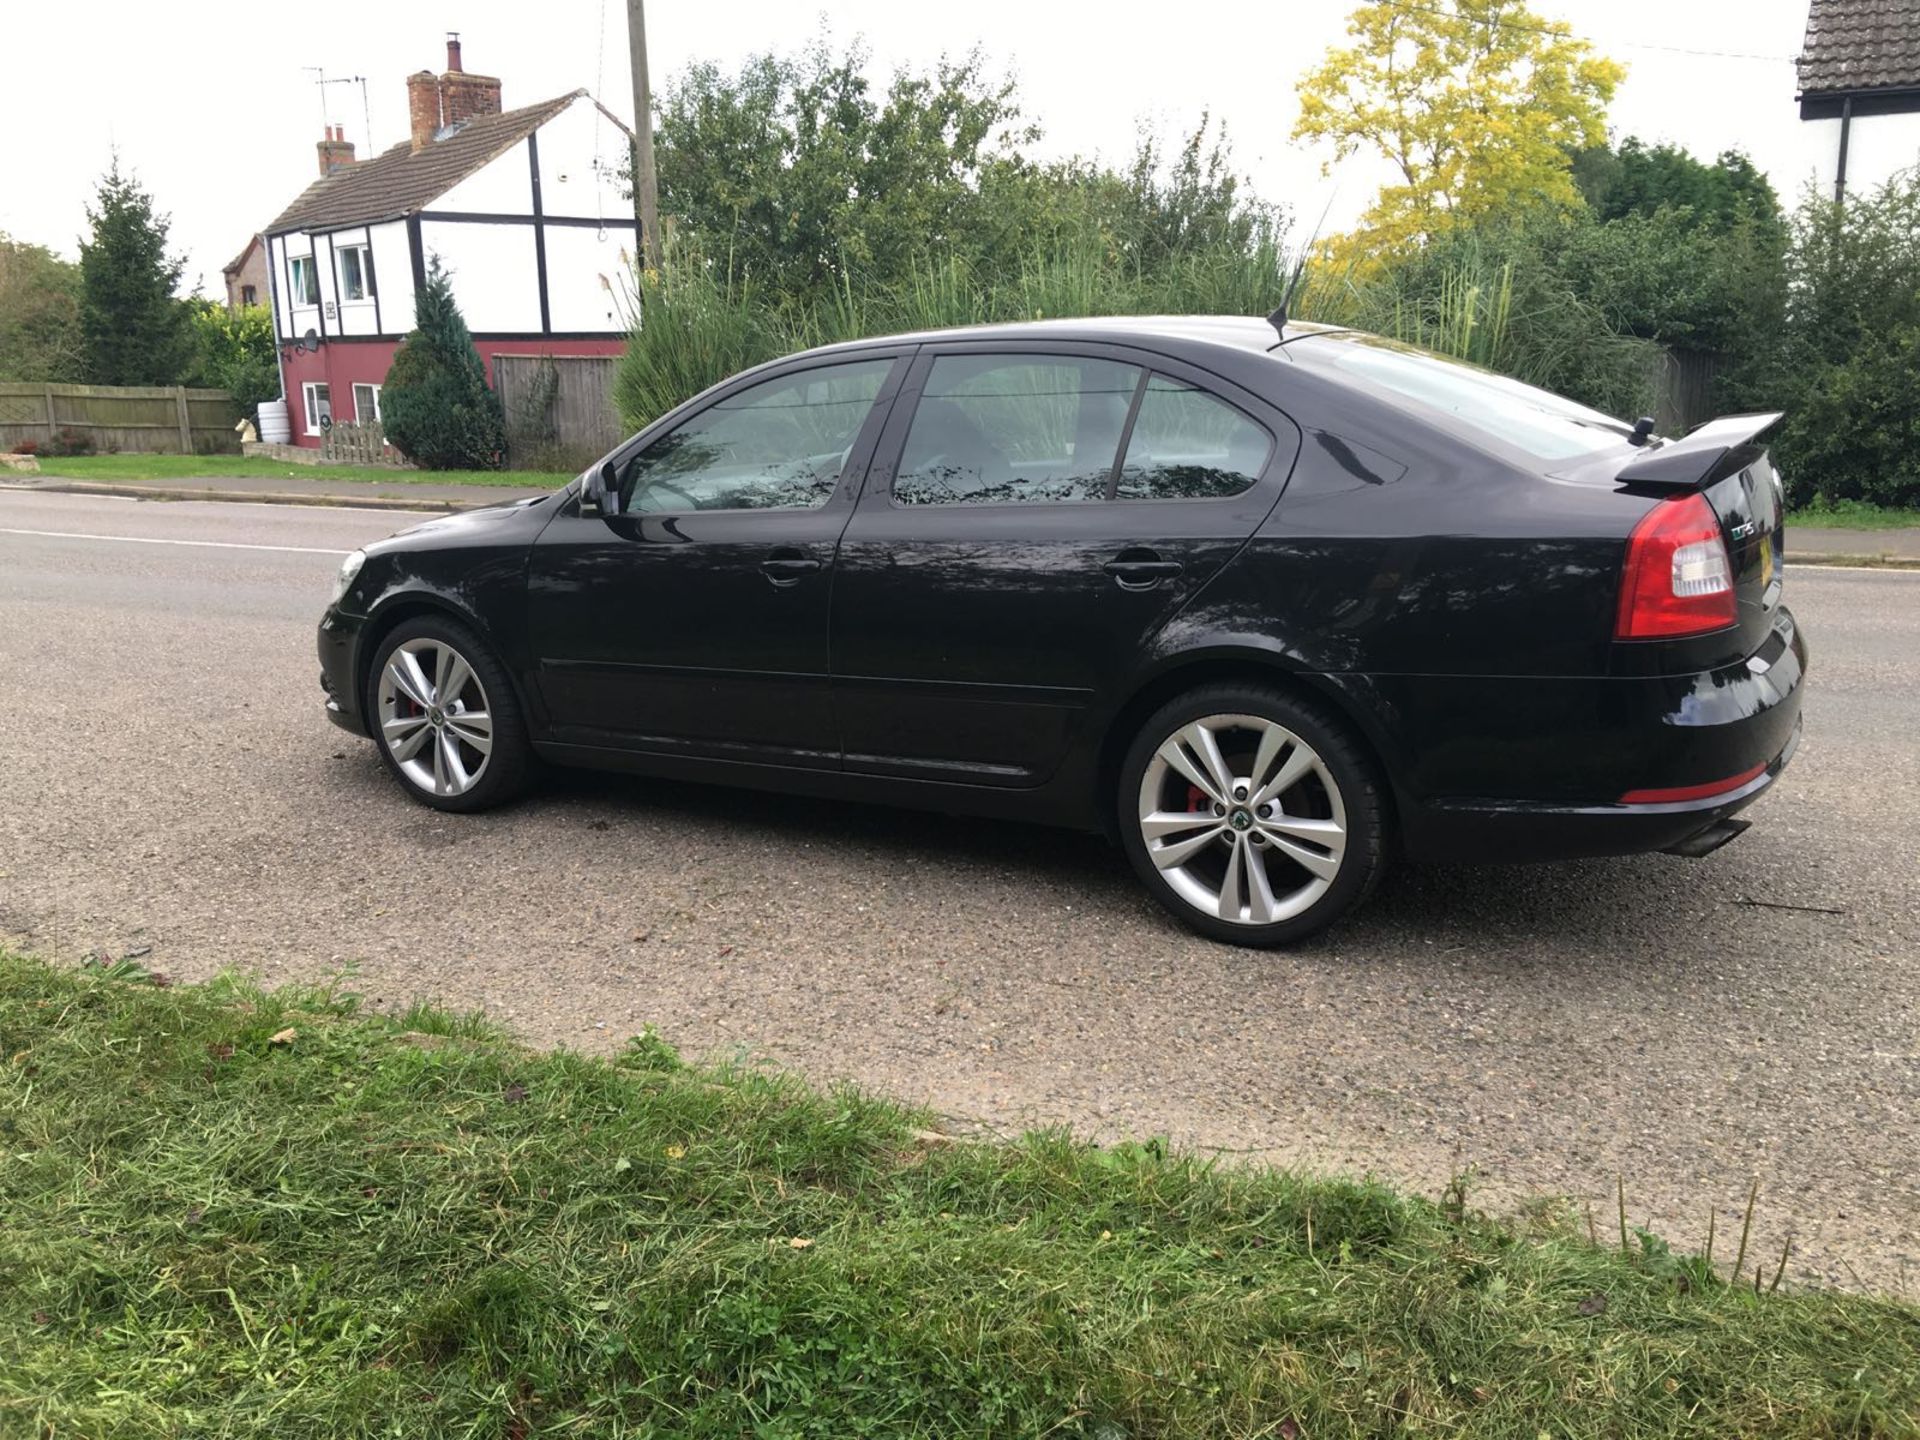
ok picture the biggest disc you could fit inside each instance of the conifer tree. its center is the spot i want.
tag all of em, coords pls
(436, 406)
(133, 329)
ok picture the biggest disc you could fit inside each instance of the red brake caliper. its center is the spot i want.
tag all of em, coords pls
(1196, 799)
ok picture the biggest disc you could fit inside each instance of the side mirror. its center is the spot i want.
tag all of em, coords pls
(600, 494)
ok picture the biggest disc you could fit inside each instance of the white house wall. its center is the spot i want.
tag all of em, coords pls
(393, 273)
(503, 186)
(581, 152)
(495, 275)
(295, 320)
(578, 260)
(1878, 147)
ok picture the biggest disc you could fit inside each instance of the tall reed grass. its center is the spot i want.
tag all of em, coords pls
(699, 322)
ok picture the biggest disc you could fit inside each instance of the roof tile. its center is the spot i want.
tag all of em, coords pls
(399, 181)
(1860, 45)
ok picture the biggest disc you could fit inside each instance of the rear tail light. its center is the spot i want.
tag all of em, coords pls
(1678, 579)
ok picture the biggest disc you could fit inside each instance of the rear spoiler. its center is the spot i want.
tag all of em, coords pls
(1705, 454)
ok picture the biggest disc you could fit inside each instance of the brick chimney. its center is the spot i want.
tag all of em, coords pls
(463, 96)
(336, 151)
(423, 108)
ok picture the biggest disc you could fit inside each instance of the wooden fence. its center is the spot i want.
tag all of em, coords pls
(559, 409)
(146, 419)
(1683, 388)
(364, 442)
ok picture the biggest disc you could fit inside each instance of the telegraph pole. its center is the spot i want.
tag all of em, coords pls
(646, 192)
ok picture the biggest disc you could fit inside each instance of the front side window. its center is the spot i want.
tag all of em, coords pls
(306, 280)
(356, 273)
(249, 295)
(319, 407)
(778, 445)
(1015, 429)
(1187, 445)
(366, 403)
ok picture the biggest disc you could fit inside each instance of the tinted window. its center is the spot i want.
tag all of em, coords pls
(999, 429)
(777, 445)
(1187, 445)
(1538, 422)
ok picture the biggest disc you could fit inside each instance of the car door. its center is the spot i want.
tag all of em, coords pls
(1035, 516)
(692, 618)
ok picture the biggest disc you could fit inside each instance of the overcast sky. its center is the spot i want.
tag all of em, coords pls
(214, 107)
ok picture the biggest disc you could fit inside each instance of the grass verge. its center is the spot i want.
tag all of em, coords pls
(200, 467)
(232, 1213)
(1854, 515)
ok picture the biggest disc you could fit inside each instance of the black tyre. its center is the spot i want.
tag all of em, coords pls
(444, 715)
(1252, 814)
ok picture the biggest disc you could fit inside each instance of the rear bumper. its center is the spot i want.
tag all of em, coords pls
(339, 641)
(1615, 737)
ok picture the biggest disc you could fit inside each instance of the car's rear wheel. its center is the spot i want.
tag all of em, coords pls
(445, 717)
(1252, 814)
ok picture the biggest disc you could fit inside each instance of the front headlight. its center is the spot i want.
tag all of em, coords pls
(349, 568)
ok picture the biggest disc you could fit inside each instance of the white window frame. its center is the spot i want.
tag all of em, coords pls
(312, 287)
(374, 391)
(309, 398)
(365, 263)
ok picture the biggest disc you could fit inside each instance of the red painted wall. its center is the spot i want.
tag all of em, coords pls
(340, 364)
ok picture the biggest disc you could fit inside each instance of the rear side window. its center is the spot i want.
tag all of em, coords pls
(1187, 445)
(1005, 429)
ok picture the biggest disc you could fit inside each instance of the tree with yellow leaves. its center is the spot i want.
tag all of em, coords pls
(1477, 104)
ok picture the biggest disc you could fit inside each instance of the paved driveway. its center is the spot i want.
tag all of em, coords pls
(167, 780)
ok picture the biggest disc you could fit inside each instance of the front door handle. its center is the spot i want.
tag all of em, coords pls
(787, 568)
(1141, 569)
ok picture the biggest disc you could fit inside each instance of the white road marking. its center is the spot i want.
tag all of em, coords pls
(151, 540)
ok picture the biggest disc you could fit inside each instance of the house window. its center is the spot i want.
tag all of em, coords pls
(306, 280)
(366, 403)
(356, 273)
(249, 295)
(319, 407)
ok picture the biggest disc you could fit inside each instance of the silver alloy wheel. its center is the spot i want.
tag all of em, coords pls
(434, 717)
(1243, 819)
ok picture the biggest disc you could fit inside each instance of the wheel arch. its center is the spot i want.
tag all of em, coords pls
(1242, 664)
(394, 611)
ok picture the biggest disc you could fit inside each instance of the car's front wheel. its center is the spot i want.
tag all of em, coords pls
(1252, 814)
(445, 717)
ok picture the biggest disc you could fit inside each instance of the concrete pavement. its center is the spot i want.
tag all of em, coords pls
(167, 779)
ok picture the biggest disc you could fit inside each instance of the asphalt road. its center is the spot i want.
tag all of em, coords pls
(167, 779)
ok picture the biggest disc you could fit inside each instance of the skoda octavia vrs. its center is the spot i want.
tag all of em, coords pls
(1269, 603)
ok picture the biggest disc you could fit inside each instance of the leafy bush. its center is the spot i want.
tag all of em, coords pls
(236, 352)
(66, 441)
(436, 406)
(1847, 373)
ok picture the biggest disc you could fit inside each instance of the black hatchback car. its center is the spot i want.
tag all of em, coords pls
(1266, 605)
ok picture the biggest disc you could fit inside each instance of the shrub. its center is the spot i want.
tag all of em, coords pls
(66, 441)
(1847, 370)
(436, 406)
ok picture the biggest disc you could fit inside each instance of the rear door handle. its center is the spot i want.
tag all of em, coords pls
(1142, 573)
(785, 569)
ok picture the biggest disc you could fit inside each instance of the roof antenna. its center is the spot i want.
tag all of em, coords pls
(1278, 319)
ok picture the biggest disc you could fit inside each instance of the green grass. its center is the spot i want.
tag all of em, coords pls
(228, 1213)
(199, 467)
(1854, 515)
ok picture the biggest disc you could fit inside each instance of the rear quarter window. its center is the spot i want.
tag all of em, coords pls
(1538, 423)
